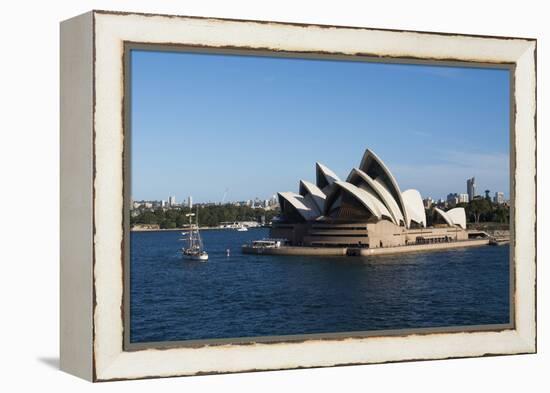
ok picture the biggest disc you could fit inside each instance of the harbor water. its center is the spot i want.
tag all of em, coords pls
(237, 295)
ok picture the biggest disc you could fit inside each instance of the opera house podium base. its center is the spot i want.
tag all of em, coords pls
(357, 251)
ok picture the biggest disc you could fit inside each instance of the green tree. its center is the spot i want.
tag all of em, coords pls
(501, 214)
(478, 208)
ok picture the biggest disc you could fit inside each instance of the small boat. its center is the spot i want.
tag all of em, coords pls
(264, 245)
(195, 249)
(498, 241)
(242, 228)
(268, 243)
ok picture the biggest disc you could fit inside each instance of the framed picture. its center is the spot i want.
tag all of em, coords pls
(245, 195)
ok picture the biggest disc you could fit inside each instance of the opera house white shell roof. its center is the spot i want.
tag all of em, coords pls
(456, 216)
(314, 192)
(362, 180)
(414, 207)
(370, 193)
(325, 177)
(368, 200)
(302, 205)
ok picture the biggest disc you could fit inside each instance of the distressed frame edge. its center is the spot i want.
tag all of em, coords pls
(76, 196)
(304, 24)
(526, 137)
(528, 341)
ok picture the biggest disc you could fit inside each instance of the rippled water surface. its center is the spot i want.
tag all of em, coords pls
(251, 295)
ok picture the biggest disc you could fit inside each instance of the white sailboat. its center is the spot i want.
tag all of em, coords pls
(195, 249)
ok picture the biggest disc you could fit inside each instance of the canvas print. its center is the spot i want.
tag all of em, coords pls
(275, 198)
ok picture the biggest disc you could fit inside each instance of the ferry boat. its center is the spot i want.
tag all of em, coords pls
(237, 225)
(229, 225)
(267, 243)
(195, 249)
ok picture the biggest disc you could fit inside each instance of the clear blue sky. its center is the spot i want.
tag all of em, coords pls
(203, 124)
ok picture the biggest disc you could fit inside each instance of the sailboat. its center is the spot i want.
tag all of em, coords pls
(195, 248)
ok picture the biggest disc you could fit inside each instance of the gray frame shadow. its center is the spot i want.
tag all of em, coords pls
(126, 116)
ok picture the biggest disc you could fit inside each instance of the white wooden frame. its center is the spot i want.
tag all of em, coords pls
(92, 152)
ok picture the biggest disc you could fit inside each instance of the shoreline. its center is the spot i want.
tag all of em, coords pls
(186, 229)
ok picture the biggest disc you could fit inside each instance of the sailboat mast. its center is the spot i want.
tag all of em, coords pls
(199, 240)
(191, 231)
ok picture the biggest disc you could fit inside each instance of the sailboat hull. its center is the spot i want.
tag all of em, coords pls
(202, 257)
(195, 256)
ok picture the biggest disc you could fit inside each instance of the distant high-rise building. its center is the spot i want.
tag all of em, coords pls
(463, 198)
(258, 203)
(273, 201)
(428, 202)
(452, 199)
(487, 196)
(163, 203)
(190, 202)
(499, 198)
(471, 188)
(171, 200)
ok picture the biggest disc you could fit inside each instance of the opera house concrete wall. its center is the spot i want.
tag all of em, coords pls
(367, 210)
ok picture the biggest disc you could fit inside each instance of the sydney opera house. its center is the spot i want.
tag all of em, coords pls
(367, 210)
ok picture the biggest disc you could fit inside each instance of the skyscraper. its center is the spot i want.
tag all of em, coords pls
(172, 200)
(463, 198)
(190, 202)
(452, 199)
(499, 198)
(471, 188)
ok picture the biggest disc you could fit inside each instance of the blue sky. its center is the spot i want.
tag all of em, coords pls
(203, 124)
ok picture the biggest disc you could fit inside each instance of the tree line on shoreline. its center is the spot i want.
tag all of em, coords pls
(208, 216)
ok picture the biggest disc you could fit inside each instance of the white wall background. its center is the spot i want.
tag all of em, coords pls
(29, 209)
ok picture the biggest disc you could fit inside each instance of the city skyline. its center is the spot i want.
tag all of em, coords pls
(262, 199)
(186, 200)
(203, 124)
